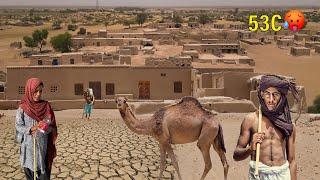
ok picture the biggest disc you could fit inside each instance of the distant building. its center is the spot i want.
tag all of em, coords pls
(245, 35)
(79, 42)
(178, 61)
(56, 59)
(238, 26)
(311, 44)
(56, 26)
(317, 49)
(315, 38)
(301, 37)
(210, 41)
(3, 76)
(300, 51)
(39, 23)
(285, 42)
(164, 25)
(194, 24)
(211, 48)
(72, 27)
(68, 82)
(218, 26)
(119, 39)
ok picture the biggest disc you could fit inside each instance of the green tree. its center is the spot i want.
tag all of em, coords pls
(315, 108)
(29, 42)
(89, 18)
(141, 18)
(192, 19)
(305, 24)
(106, 23)
(73, 21)
(204, 19)
(37, 18)
(31, 12)
(38, 39)
(61, 42)
(177, 19)
(127, 22)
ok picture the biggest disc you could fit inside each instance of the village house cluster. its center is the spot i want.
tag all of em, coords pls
(157, 61)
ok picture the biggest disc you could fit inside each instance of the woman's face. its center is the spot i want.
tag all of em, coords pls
(37, 94)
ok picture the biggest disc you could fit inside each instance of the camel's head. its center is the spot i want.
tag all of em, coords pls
(121, 102)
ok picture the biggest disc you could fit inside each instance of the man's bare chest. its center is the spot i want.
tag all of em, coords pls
(270, 131)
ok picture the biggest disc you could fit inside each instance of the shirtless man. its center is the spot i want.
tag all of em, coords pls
(277, 137)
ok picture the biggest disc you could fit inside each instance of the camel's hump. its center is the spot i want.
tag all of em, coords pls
(188, 100)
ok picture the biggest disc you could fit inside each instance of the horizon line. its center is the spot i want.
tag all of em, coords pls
(147, 6)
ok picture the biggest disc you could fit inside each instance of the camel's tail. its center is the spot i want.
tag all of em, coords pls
(219, 139)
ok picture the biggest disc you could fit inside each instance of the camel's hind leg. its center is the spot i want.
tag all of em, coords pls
(174, 160)
(220, 149)
(204, 147)
(162, 159)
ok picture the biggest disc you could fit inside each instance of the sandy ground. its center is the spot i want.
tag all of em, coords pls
(105, 148)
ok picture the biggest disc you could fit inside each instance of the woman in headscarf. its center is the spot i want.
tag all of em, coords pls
(31, 113)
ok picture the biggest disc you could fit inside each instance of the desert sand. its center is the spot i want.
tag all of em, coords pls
(105, 148)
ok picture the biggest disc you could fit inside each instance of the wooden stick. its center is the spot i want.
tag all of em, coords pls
(34, 158)
(258, 144)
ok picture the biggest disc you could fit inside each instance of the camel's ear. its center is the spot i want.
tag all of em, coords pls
(116, 99)
(125, 99)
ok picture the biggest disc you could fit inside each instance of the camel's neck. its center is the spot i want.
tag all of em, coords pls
(135, 125)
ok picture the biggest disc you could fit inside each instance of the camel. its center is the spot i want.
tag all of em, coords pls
(184, 122)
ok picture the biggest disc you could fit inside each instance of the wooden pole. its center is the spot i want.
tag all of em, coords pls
(34, 158)
(258, 144)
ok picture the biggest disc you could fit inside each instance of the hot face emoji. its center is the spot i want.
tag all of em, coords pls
(295, 20)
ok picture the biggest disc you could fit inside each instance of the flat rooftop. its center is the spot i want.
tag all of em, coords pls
(302, 35)
(218, 44)
(101, 38)
(86, 66)
(198, 65)
(251, 40)
(300, 48)
(58, 54)
(231, 56)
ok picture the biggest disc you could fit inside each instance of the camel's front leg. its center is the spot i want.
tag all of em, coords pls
(174, 161)
(162, 159)
(205, 150)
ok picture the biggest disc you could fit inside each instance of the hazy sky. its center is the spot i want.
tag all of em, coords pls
(161, 2)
